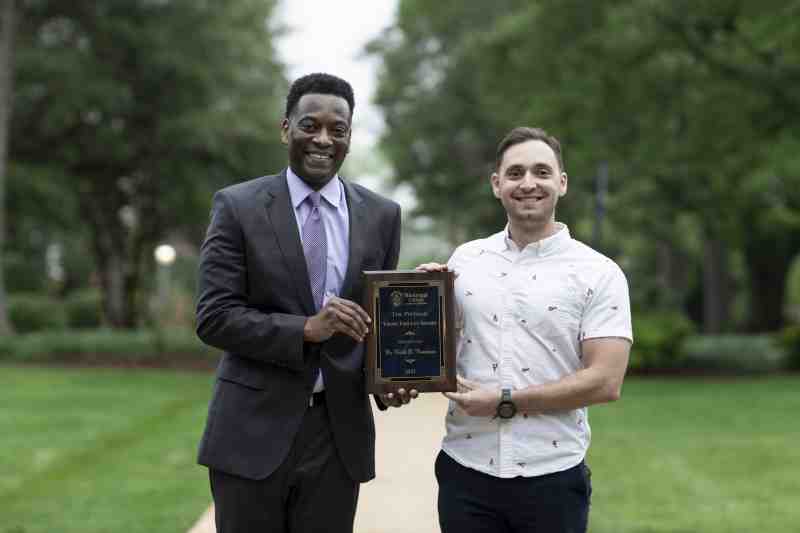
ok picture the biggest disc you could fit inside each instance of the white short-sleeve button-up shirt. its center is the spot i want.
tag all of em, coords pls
(522, 315)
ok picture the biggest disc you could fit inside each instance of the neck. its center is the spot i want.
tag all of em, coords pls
(315, 183)
(524, 234)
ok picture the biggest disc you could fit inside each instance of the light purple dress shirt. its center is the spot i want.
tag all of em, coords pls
(337, 231)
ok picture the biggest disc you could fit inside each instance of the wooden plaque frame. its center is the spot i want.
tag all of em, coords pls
(420, 285)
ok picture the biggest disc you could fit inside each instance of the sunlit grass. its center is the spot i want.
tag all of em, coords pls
(100, 450)
(113, 450)
(697, 456)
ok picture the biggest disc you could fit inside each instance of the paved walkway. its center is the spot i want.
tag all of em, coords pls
(402, 498)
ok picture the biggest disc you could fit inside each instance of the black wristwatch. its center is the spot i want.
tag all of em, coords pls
(506, 408)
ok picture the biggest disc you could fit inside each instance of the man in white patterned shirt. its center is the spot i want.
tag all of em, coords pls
(545, 331)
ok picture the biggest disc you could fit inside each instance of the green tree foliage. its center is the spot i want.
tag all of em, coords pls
(692, 106)
(134, 111)
(7, 29)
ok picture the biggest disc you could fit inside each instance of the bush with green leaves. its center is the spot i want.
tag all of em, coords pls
(5, 346)
(657, 339)
(31, 312)
(106, 346)
(84, 309)
(736, 354)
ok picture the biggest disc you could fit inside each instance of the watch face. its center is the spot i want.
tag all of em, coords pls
(506, 410)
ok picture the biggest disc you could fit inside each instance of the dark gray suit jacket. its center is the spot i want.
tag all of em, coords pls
(253, 300)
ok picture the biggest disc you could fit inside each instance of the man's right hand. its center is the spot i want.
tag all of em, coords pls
(337, 316)
(431, 267)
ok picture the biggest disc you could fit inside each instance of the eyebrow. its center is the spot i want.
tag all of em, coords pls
(310, 116)
(516, 166)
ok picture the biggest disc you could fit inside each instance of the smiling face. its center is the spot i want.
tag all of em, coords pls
(318, 135)
(528, 183)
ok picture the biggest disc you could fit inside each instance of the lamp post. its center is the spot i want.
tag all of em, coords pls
(165, 257)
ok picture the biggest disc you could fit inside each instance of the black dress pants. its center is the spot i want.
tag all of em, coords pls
(311, 492)
(474, 502)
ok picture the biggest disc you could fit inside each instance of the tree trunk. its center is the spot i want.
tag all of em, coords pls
(6, 86)
(716, 293)
(768, 265)
(119, 282)
(671, 275)
(767, 295)
(117, 264)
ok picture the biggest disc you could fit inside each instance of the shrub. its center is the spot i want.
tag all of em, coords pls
(738, 354)
(30, 312)
(106, 346)
(790, 341)
(657, 338)
(5, 346)
(84, 309)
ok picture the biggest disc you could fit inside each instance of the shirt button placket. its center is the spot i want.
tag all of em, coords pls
(506, 331)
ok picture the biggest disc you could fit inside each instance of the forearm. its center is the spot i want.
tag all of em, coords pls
(275, 338)
(586, 387)
(600, 381)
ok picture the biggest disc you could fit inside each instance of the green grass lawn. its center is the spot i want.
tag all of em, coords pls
(95, 450)
(698, 456)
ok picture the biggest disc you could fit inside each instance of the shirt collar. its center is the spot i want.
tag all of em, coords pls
(501, 242)
(299, 189)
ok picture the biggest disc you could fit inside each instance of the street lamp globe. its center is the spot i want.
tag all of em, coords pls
(165, 254)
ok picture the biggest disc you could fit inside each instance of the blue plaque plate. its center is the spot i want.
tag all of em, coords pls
(411, 343)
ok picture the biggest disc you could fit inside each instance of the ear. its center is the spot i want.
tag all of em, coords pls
(494, 179)
(285, 131)
(562, 184)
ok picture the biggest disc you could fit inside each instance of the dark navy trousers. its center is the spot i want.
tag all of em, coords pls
(474, 502)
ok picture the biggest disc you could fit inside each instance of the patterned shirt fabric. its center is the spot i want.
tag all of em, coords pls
(522, 315)
(336, 219)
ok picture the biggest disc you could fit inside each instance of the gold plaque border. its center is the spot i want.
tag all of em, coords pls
(444, 281)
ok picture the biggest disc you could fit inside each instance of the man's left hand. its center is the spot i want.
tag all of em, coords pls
(474, 399)
(400, 398)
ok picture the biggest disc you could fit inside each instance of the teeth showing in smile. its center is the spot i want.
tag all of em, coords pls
(319, 157)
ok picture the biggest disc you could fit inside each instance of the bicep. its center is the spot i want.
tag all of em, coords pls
(222, 255)
(608, 355)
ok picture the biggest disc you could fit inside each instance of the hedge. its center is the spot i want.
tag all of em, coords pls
(106, 346)
(736, 354)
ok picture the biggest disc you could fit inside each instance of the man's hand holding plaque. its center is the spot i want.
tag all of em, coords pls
(337, 316)
(400, 398)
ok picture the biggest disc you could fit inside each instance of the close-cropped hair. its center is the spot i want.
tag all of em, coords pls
(319, 83)
(523, 134)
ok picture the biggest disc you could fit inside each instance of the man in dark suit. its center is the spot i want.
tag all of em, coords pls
(290, 433)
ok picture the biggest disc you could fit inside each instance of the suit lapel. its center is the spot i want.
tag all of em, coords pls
(358, 236)
(282, 219)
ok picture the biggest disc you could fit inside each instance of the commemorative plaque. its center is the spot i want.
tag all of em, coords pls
(411, 343)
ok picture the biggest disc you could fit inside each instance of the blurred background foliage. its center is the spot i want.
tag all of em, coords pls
(126, 116)
(679, 127)
(678, 121)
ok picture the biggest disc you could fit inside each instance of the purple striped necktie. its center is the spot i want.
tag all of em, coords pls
(315, 248)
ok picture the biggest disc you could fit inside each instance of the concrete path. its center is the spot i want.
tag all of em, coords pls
(402, 498)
